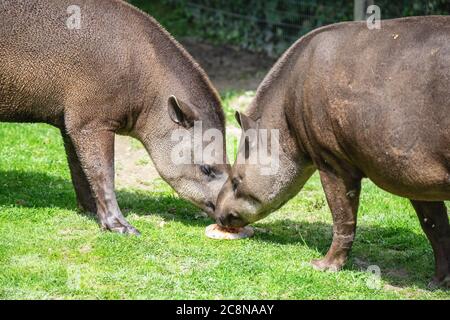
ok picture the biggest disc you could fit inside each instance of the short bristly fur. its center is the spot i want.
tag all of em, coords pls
(121, 72)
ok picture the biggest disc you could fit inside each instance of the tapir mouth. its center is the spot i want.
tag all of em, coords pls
(232, 220)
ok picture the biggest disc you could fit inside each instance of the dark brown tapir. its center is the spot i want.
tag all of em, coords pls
(355, 103)
(99, 68)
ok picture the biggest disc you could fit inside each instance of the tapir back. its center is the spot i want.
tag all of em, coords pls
(45, 61)
(388, 102)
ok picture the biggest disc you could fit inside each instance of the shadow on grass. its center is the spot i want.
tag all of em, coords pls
(404, 257)
(40, 190)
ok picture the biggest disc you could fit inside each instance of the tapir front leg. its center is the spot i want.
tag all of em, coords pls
(85, 197)
(343, 199)
(95, 150)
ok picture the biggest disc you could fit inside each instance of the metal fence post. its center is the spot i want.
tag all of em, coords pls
(360, 9)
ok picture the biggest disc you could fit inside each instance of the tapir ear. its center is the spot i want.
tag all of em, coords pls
(182, 113)
(244, 121)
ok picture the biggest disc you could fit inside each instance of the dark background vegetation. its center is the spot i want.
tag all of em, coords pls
(268, 25)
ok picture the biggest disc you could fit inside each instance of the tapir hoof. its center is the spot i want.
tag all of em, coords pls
(123, 227)
(129, 230)
(446, 282)
(440, 284)
(326, 265)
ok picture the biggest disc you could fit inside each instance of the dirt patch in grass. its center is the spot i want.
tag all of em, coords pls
(228, 67)
(134, 168)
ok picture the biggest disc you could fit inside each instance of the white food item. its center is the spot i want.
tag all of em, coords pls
(214, 231)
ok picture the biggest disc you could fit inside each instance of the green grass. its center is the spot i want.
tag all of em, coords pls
(49, 250)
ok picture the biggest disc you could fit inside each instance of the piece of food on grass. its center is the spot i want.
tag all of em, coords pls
(215, 231)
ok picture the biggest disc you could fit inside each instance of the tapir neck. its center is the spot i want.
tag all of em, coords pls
(279, 100)
(279, 105)
(166, 69)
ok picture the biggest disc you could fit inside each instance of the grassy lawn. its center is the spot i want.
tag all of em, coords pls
(49, 250)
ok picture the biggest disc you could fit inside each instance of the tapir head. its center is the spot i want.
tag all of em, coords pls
(187, 146)
(266, 174)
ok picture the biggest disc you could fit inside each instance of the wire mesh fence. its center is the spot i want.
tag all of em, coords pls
(273, 25)
(288, 24)
(269, 26)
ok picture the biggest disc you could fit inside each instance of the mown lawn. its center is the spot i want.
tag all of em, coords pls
(50, 251)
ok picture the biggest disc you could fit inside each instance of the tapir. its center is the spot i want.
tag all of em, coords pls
(102, 68)
(354, 103)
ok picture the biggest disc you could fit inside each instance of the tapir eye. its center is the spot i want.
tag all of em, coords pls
(207, 170)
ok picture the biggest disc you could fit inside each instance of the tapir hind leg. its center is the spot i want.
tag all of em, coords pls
(434, 221)
(85, 197)
(343, 199)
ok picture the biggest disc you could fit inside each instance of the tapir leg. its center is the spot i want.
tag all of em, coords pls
(95, 150)
(85, 198)
(434, 221)
(343, 199)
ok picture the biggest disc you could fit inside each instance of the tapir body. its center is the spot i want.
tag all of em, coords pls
(115, 70)
(354, 103)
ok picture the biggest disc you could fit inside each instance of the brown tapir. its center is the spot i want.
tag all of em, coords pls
(115, 70)
(354, 103)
